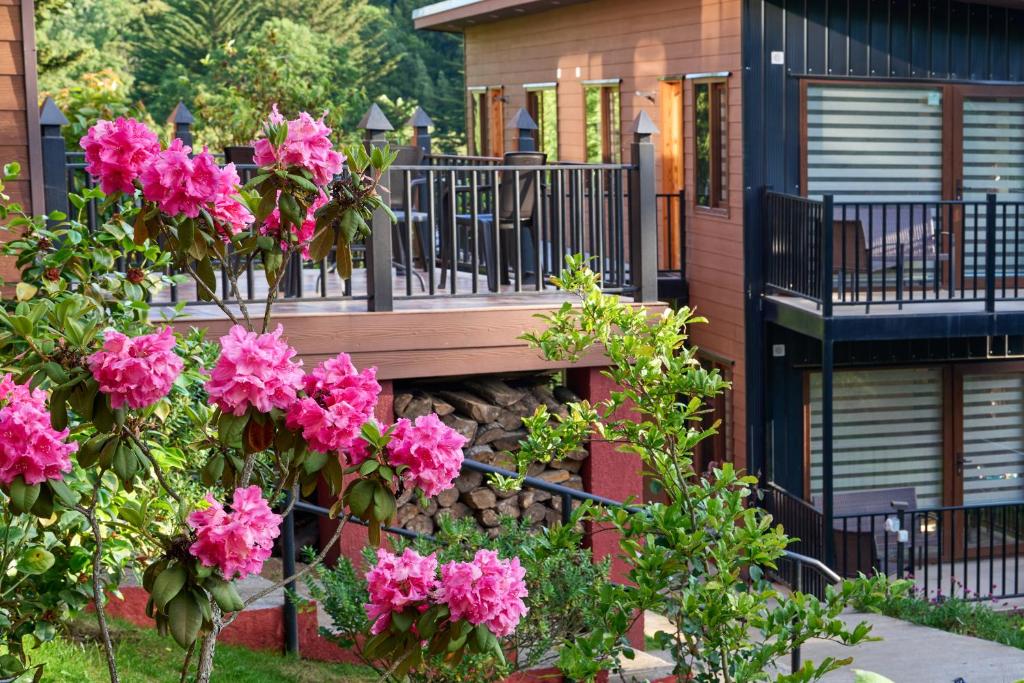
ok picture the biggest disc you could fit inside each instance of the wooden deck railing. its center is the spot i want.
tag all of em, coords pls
(467, 227)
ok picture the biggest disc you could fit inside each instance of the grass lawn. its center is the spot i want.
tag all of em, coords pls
(146, 657)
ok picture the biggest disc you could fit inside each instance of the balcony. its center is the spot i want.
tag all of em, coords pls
(878, 269)
(464, 269)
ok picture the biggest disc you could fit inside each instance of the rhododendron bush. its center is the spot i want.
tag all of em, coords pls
(195, 449)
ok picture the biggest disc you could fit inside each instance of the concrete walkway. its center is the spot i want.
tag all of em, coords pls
(908, 653)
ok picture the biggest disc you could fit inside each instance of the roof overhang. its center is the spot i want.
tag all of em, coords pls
(455, 15)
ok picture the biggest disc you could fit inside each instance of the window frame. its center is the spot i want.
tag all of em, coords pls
(484, 100)
(611, 150)
(718, 163)
(535, 107)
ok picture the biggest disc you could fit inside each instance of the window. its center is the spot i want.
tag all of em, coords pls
(603, 122)
(887, 431)
(542, 105)
(711, 124)
(487, 121)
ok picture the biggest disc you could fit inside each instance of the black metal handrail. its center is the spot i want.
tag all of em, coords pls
(966, 551)
(864, 253)
(460, 236)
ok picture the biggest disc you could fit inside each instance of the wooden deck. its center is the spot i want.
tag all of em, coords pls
(424, 336)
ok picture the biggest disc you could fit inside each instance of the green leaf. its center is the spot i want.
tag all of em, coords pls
(860, 676)
(321, 245)
(36, 560)
(64, 493)
(23, 496)
(184, 618)
(230, 429)
(208, 277)
(359, 497)
(383, 505)
(225, 594)
(168, 585)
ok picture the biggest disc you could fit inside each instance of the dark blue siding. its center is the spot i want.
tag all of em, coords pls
(936, 40)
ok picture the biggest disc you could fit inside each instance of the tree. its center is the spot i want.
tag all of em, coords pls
(429, 71)
(171, 48)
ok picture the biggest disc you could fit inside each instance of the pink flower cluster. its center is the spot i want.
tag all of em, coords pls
(238, 541)
(396, 582)
(183, 184)
(29, 445)
(138, 371)
(307, 145)
(430, 450)
(230, 215)
(338, 402)
(488, 590)
(254, 370)
(117, 151)
(303, 234)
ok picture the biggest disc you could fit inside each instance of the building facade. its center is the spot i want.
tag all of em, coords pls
(854, 180)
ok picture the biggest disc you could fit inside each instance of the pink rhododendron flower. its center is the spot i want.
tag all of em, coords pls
(116, 152)
(431, 450)
(178, 183)
(307, 145)
(138, 371)
(487, 591)
(303, 235)
(29, 445)
(338, 402)
(238, 541)
(396, 582)
(230, 215)
(254, 370)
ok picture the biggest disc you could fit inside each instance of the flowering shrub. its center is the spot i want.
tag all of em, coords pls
(338, 402)
(430, 451)
(136, 372)
(561, 580)
(472, 605)
(487, 591)
(303, 142)
(31, 450)
(251, 422)
(254, 371)
(236, 542)
(397, 582)
(117, 151)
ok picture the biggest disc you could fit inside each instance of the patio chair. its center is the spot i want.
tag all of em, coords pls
(408, 156)
(507, 222)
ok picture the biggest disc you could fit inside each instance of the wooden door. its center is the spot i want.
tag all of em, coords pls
(670, 97)
(496, 118)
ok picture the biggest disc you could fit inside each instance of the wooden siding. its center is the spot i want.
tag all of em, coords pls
(19, 113)
(415, 344)
(641, 44)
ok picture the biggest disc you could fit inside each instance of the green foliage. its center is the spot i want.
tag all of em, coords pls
(143, 656)
(429, 71)
(560, 576)
(701, 558)
(93, 96)
(956, 615)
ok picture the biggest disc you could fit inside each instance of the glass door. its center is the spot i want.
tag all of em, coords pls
(990, 159)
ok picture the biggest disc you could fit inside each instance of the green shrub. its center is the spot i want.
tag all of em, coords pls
(560, 576)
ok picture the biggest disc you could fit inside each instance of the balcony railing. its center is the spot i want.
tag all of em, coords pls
(467, 227)
(859, 254)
